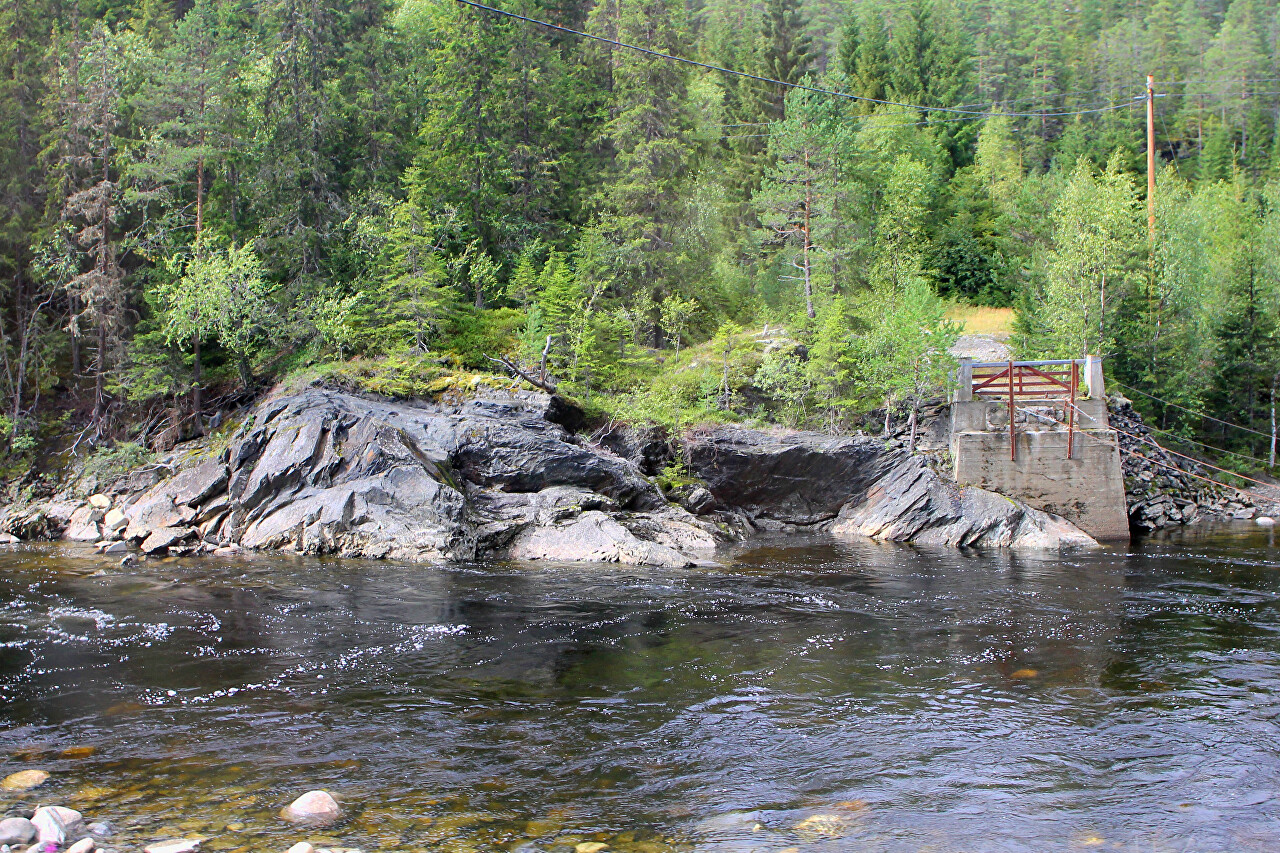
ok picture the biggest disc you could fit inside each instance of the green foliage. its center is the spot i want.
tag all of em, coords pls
(108, 462)
(387, 194)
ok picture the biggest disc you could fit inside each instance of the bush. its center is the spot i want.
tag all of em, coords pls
(108, 463)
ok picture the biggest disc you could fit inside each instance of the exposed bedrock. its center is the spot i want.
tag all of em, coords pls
(325, 472)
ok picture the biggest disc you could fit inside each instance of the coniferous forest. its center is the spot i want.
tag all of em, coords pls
(203, 198)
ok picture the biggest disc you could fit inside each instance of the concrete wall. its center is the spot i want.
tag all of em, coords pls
(1087, 489)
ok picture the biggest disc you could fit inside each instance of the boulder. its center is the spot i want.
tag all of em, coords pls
(55, 824)
(177, 845)
(83, 525)
(115, 520)
(194, 486)
(302, 847)
(593, 537)
(165, 538)
(101, 502)
(313, 808)
(914, 504)
(17, 830)
(84, 845)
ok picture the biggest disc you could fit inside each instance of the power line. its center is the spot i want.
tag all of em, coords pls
(658, 54)
(1191, 411)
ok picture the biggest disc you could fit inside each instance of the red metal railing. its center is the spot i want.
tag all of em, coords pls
(1030, 382)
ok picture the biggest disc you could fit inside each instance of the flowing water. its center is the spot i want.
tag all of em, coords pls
(806, 696)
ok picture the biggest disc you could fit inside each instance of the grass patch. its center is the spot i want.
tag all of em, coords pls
(982, 320)
(400, 376)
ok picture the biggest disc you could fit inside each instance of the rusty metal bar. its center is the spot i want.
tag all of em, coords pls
(1071, 408)
(1013, 440)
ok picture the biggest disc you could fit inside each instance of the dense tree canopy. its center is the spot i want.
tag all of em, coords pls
(207, 195)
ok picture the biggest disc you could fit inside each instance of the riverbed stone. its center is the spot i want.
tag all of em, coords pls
(17, 830)
(24, 780)
(84, 845)
(590, 847)
(313, 807)
(165, 538)
(116, 547)
(302, 847)
(177, 845)
(55, 824)
(1264, 521)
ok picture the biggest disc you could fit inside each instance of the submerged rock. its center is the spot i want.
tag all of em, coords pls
(24, 780)
(314, 808)
(84, 845)
(177, 845)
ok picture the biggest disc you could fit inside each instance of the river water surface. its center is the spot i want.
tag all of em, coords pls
(806, 696)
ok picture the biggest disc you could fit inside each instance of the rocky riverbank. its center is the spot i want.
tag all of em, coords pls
(1163, 489)
(506, 476)
(58, 829)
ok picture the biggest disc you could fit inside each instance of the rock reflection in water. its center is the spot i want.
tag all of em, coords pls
(808, 694)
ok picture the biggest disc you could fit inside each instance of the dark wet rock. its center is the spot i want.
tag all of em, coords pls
(798, 478)
(646, 447)
(698, 501)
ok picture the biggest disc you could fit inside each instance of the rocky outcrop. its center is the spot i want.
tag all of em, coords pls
(914, 504)
(787, 478)
(858, 487)
(327, 472)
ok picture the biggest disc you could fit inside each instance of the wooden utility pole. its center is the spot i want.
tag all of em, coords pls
(1151, 159)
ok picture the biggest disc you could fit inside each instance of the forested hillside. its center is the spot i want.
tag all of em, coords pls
(205, 197)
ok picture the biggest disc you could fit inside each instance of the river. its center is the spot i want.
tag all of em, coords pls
(808, 694)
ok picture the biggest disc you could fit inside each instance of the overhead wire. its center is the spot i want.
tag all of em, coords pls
(1191, 411)
(1116, 446)
(983, 113)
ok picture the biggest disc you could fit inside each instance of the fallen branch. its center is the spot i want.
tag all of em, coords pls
(518, 371)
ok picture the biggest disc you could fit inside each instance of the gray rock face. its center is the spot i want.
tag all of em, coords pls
(914, 504)
(325, 472)
(858, 487)
(799, 478)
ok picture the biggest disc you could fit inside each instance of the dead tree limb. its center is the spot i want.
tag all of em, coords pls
(518, 371)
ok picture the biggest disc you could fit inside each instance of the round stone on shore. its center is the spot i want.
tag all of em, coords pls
(302, 847)
(24, 780)
(313, 807)
(84, 845)
(16, 830)
(1265, 521)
